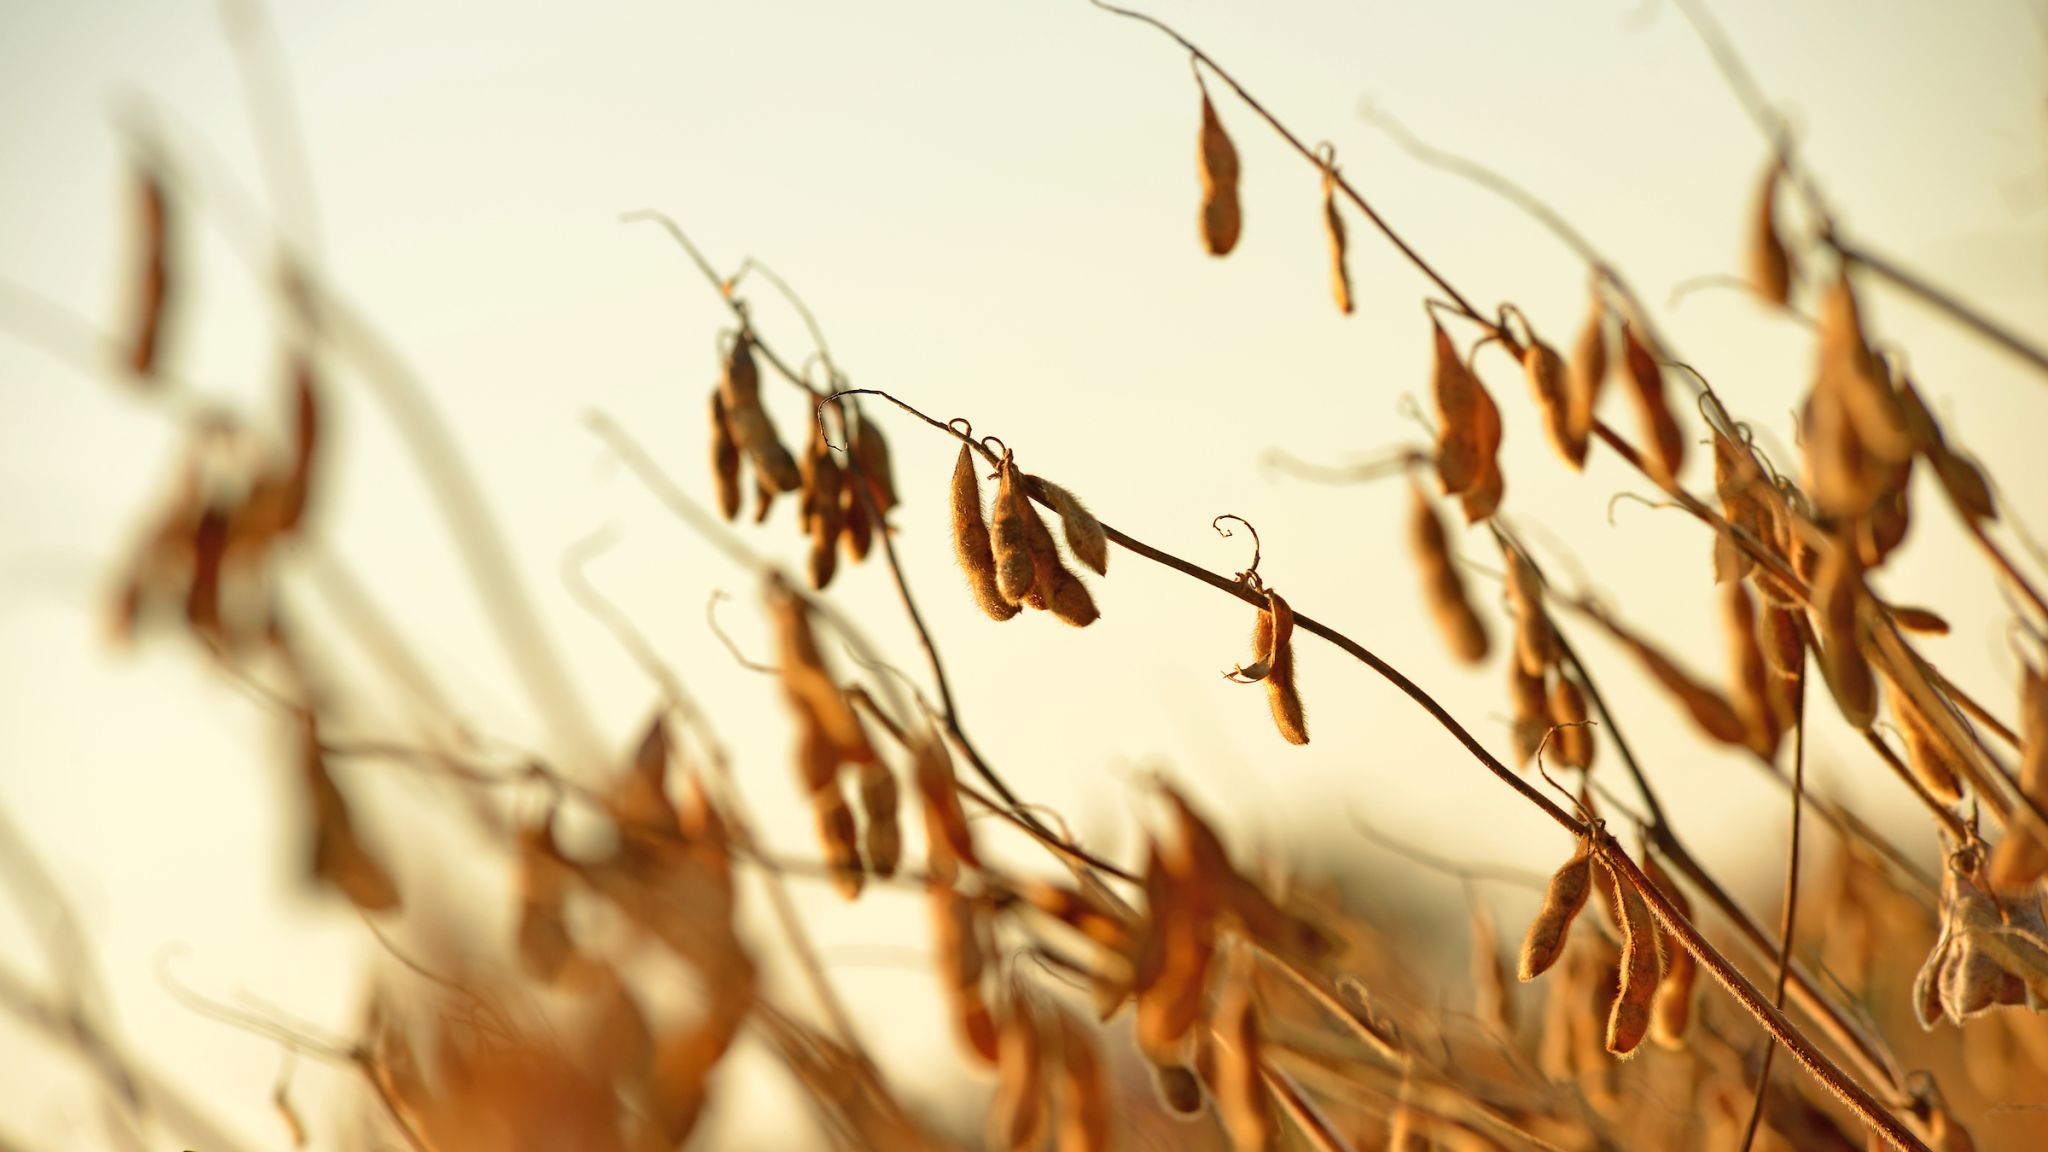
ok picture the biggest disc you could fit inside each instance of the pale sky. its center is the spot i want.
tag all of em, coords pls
(991, 208)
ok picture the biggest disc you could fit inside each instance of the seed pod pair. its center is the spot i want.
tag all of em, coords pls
(1991, 952)
(1468, 431)
(740, 392)
(1443, 587)
(1273, 663)
(972, 545)
(1221, 216)
(829, 736)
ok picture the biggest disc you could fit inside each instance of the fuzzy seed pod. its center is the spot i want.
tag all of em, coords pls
(821, 511)
(1085, 537)
(1664, 437)
(154, 295)
(1574, 740)
(1468, 432)
(956, 937)
(972, 546)
(839, 838)
(878, 801)
(871, 464)
(1838, 590)
(1749, 674)
(1442, 585)
(1171, 967)
(774, 468)
(1587, 374)
(1708, 708)
(1530, 711)
(1240, 1089)
(1272, 638)
(1961, 479)
(725, 459)
(1641, 969)
(1563, 900)
(857, 528)
(1053, 587)
(1552, 391)
(1007, 534)
(1535, 640)
(1926, 752)
(1671, 1011)
(1333, 225)
(1222, 218)
(948, 836)
(1770, 268)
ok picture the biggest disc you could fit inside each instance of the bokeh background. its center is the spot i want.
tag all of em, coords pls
(991, 209)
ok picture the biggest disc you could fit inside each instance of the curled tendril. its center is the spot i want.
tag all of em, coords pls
(1250, 576)
(961, 426)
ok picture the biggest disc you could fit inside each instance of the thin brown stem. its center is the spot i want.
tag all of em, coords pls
(1789, 922)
